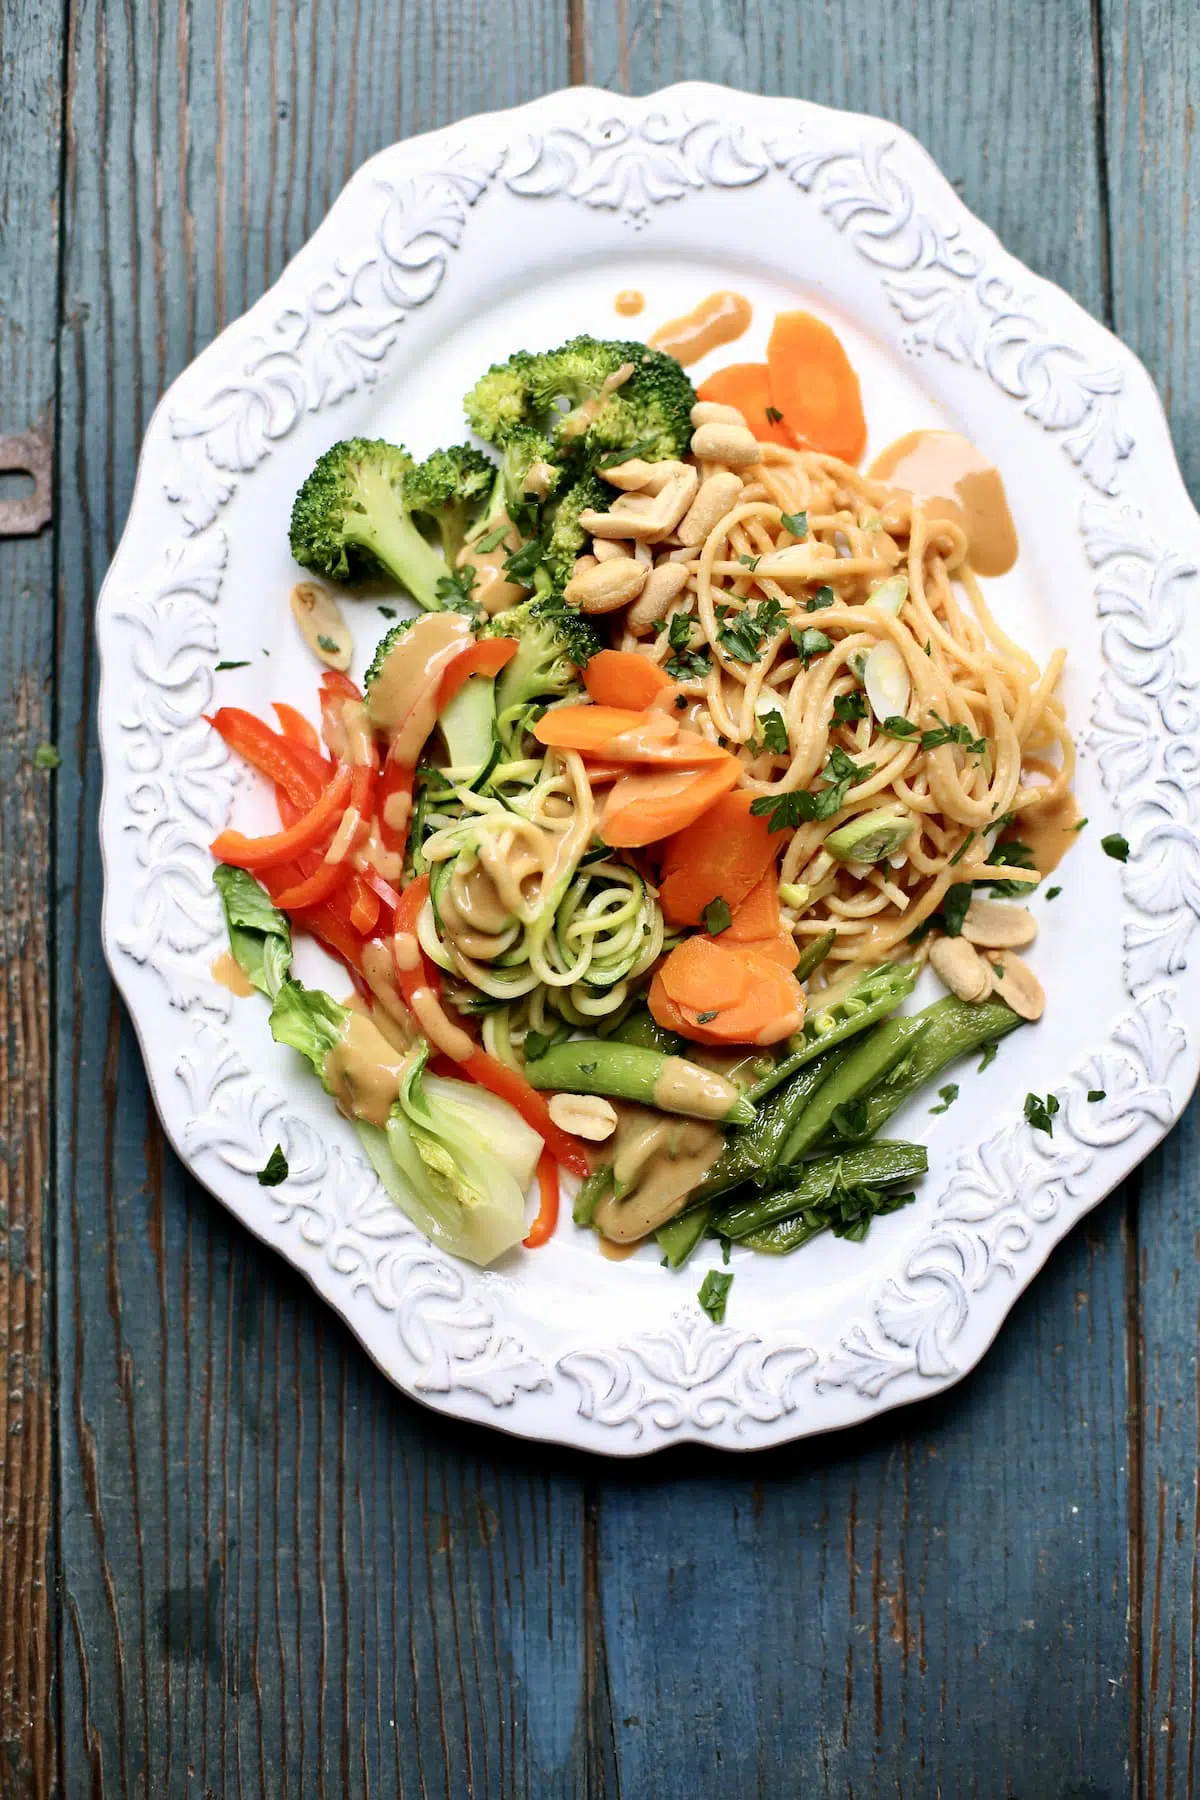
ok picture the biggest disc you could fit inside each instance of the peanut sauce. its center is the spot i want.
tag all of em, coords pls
(629, 302)
(657, 1161)
(1050, 831)
(949, 478)
(228, 971)
(364, 1071)
(404, 695)
(718, 319)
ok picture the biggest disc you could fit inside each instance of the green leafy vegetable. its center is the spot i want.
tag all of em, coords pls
(260, 937)
(46, 756)
(275, 1170)
(1095, 1094)
(1040, 1113)
(1116, 846)
(811, 643)
(1053, 893)
(849, 707)
(955, 906)
(823, 597)
(948, 1095)
(774, 415)
(774, 734)
(222, 666)
(744, 634)
(717, 917)
(989, 1055)
(796, 523)
(897, 726)
(714, 1292)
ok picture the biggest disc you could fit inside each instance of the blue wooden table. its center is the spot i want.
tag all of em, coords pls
(233, 1561)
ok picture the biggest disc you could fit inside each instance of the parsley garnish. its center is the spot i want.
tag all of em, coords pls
(849, 707)
(1095, 1094)
(823, 597)
(714, 1292)
(955, 906)
(962, 849)
(536, 1044)
(1012, 855)
(785, 812)
(276, 1169)
(235, 665)
(615, 458)
(1053, 893)
(328, 644)
(1080, 825)
(705, 1018)
(774, 734)
(455, 590)
(948, 1095)
(686, 664)
(1040, 1113)
(717, 917)
(952, 734)
(989, 1055)
(524, 560)
(750, 562)
(46, 756)
(774, 415)
(897, 726)
(492, 540)
(1116, 846)
(389, 612)
(850, 1119)
(796, 523)
(744, 634)
(810, 642)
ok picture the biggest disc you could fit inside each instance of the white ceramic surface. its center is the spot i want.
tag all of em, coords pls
(519, 228)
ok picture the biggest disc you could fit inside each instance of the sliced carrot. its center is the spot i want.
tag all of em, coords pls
(780, 948)
(770, 1006)
(723, 855)
(757, 916)
(623, 678)
(618, 734)
(814, 385)
(640, 809)
(703, 975)
(487, 657)
(748, 387)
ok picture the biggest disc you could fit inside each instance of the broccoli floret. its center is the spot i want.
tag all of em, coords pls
(499, 403)
(529, 475)
(386, 644)
(565, 538)
(452, 489)
(351, 518)
(554, 643)
(649, 412)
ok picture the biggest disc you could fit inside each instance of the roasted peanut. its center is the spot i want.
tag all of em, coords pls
(961, 967)
(734, 445)
(607, 586)
(644, 516)
(587, 1115)
(999, 927)
(717, 496)
(321, 624)
(711, 412)
(605, 549)
(1017, 985)
(663, 585)
(582, 564)
(639, 477)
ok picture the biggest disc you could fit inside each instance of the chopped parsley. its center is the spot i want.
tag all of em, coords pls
(1095, 1094)
(849, 707)
(455, 590)
(276, 1169)
(536, 1044)
(491, 541)
(520, 566)
(750, 562)
(1080, 825)
(328, 644)
(810, 642)
(46, 756)
(962, 849)
(714, 1292)
(796, 523)
(787, 811)
(850, 1119)
(774, 416)
(1053, 893)
(1116, 846)
(948, 1095)
(686, 664)
(823, 597)
(990, 1050)
(1040, 1113)
(744, 634)
(389, 612)
(897, 726)
(952, 734)
(230, 665)
(774, 734)
(955, 906)
(1012, 855)
(705, 1018)
(717, 917)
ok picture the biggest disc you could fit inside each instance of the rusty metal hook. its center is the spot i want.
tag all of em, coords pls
(27, 453)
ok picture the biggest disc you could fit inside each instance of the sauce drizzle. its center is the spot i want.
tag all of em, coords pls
(718, 319)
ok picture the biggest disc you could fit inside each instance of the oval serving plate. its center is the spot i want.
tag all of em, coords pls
(442, 254)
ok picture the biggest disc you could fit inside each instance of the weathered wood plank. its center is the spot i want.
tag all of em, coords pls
(30, 132)
(937, 1605)
(279, 1578)
(1152, 61)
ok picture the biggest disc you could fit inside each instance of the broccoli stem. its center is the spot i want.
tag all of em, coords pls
(389, 535)
(647, 1077)
(875, 1165)
(865, 1066)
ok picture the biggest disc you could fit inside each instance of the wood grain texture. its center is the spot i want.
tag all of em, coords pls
(937, 1605)
(30, 61)
(279, 1578)
(1151, 51)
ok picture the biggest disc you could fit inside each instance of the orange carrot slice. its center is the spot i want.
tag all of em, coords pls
(618, 734)
(758, 914)
(748, 387)
(487, 657)
(814, 386)
(723, 855)
(693, 993)
(623, 678)
(703, 976)
(781, 948)
(641, 809)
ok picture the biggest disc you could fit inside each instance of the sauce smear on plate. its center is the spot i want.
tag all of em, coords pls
(718, 319)
(953, 480)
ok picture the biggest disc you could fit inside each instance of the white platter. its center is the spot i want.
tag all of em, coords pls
(518, 229)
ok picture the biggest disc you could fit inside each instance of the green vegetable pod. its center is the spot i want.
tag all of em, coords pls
(754, 1153)
(873, 996)
(642, 1029)
(868, 1063)
(953, 1028)
(874, 1165)
(679, 1236)
(648, 1077)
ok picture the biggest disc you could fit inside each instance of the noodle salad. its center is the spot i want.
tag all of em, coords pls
(634, 839)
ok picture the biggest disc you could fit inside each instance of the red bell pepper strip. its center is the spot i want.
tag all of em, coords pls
(542, 1229)
(314, 888)
(407, 913)
(296, 728)
(384, 889)
(364, 907)
(300, 772)
(506, 1084)
(311, 832)
(487, 657)
(334, 681)
(397, 778)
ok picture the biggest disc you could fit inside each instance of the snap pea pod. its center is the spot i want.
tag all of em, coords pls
(873, 1165)
(814, 954)
(590, 1194)
(877, 993)
(648, 1077)
(869, 1061)
(953, 1028)
(789, 1234)
(645, 1033)
(679, 1236)
(754, 1153)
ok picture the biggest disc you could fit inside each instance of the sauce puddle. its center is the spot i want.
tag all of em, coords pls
(629, 302)
(228, 972)
(950, 479)
(718, 319)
